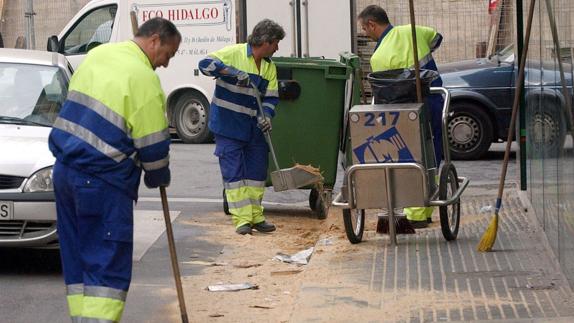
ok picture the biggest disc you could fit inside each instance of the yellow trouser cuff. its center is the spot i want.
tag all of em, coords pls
(102, 308)
(418, 213)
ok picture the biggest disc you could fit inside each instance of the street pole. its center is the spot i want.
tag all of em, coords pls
(30, 34)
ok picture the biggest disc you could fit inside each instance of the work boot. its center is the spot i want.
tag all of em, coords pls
(419, 224)
(264, 226)
(244, 229)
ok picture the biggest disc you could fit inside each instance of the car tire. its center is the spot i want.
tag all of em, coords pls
(190, 118)
(548, 132)
(470, 131)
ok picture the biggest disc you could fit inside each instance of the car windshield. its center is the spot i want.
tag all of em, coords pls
(506, 54)
(31, 94)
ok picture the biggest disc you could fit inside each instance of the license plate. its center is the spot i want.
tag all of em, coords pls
(6, 210)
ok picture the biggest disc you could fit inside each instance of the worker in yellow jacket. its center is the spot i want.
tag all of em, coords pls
(394, 50)
(111, 126)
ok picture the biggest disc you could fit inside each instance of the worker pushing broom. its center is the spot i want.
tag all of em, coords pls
(242, 125)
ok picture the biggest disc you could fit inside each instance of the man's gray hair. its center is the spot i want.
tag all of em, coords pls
(163, 27)
(266, 31)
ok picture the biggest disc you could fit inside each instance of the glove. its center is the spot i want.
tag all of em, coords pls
(264, 123)
(158, 177)
(242, 78)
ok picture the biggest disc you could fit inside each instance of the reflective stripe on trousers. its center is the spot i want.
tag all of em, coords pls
(244, 200)
(95, 303)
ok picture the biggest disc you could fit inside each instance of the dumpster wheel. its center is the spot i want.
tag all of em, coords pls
(319, 203)
(354, 221)
(449, 214)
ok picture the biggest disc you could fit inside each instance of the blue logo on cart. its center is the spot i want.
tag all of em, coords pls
(388, 147)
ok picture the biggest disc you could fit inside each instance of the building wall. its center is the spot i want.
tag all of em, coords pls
(550, 173)
(51, 16)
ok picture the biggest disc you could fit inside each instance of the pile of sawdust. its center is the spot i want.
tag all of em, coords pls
(248, 259)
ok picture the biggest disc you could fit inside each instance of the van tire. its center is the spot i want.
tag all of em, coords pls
(191, 114)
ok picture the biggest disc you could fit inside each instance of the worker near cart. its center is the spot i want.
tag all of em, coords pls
(238, 126)
(111, 125)
(394, 50)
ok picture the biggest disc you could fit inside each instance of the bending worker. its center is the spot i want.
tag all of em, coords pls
(111, 126)
(394, 50)
(235, 120)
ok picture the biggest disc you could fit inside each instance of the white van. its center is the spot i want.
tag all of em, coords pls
(205, 26)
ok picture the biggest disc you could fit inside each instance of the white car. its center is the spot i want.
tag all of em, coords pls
(33, 88)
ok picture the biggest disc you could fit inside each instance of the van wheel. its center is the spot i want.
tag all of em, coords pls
(191, 115)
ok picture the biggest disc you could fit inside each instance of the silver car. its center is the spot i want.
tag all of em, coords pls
(33, 87)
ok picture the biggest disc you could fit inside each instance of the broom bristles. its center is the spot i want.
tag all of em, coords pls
(489, 236)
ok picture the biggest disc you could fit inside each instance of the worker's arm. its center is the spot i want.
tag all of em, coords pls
(271, 95)
(151, 138)
(435, 42)
(431, 37)
(213, 66)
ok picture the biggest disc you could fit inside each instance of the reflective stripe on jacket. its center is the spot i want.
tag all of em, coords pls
(396, 51)
(113, 120)
(233, 111)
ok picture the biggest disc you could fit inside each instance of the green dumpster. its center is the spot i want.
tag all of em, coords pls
(309, 124)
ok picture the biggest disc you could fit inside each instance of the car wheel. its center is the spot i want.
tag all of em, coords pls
(191, 115)
(470, 131)
(548, 132)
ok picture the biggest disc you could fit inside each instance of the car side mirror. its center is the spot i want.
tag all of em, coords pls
(53, 44)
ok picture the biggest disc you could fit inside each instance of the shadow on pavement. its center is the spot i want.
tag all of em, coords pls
(30, 261)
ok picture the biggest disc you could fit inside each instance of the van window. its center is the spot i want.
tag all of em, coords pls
(93, 29)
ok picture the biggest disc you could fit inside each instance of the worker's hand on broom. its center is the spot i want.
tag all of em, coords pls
(243, 78)
(264, 123)
(158, 177)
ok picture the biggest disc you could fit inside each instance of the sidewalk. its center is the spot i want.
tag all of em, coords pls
(427, 279)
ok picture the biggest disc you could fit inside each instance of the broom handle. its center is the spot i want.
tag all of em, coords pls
(266, 133)
(415, 52)
(173, 255)
(517, 93)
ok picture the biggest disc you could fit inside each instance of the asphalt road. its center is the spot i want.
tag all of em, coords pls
(32, 287)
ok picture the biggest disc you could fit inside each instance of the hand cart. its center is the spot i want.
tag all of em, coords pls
(390, 185)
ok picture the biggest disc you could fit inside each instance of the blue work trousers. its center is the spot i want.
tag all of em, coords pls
(435, 102)
(95, 228)
(240, 160)
(243, 167)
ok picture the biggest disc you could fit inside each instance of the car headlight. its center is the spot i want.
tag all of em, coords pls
(40, 181)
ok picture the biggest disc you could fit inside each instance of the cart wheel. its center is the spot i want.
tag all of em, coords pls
(449, 214)
(225, 204)
(313, 197)
(354, 224)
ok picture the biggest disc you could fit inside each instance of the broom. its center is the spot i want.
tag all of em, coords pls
(402, 224)
(489, 237)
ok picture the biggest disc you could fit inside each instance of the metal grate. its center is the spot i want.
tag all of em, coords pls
(8, 182)
(23, 229)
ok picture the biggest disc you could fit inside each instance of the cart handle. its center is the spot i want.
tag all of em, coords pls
(338, 203)
(386, 167)
(445, 114)
(455, 197)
